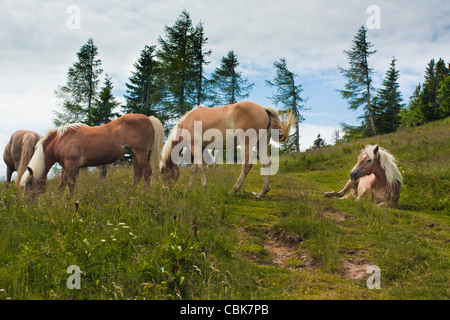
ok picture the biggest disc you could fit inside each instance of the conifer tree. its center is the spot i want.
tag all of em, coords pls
(388, 102)
(229, 85)
(199, 60)
(177, 72)
(143, 93)
(289, 96)
(80, 91)
(429, 104)
(104, 105)
(359, 87)
(318, 142)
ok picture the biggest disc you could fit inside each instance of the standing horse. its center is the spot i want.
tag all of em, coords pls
(18, 153)
(77, 145)
(246, 116)
(376, 172)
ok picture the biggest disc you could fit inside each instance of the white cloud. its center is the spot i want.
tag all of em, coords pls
(38, 48)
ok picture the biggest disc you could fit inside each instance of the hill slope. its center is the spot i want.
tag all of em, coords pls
(206, 244)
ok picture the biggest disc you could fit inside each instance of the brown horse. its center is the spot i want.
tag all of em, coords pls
(376, 172)
(221, 125)
(76, 145)
(18, 153)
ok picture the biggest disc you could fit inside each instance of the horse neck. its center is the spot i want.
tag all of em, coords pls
(49, 152)
(380, 174)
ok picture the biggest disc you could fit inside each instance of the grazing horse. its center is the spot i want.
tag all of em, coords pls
(376, 172)
(18, 153)
(77, 145)
(244, 116)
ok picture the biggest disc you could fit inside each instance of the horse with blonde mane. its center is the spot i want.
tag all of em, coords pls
(18, 153)
(376, 172)
(244, 116)
(77, 145)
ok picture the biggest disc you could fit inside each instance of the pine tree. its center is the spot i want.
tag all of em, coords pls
(359, 87)
(429, 104)
(444, 98)
(410, 115)
(388, 102)
(288, 95)
(80, 91)
(318, 143)
(200, 54)
(143, 94)
(177, 71)
(104, 105)
(230, 87)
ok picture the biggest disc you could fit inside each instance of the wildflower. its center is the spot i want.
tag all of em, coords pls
(103, 240)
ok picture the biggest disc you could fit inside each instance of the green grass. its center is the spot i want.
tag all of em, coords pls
(205, 244)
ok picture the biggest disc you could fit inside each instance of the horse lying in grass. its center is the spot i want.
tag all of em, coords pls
(216, 124)
(18, 153)
(77, 145)
(376, 172)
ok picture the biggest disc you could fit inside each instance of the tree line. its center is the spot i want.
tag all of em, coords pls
(169, 79)
(384, 108)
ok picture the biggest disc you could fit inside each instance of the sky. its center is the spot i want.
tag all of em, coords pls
(39, 41)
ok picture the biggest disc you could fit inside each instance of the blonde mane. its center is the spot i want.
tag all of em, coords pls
(388, 163)
(63, 129)
(37, 164)
(167, 148)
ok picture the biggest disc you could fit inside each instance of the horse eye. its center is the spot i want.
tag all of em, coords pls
(368, 160)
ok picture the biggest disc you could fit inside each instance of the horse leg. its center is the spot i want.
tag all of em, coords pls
(103, 172)
(9, 172)
(70, 175)
(266, 170)
(62, 181)
(201, 168)
(194, 169)
(244, 172)
(351, 184)
(246, 166)
(141, 168)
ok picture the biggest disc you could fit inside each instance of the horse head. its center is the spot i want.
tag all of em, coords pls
(366, 162)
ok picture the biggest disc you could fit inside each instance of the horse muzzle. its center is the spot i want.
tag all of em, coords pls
(355, 174)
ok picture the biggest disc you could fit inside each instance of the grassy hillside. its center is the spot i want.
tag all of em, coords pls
(206, 244)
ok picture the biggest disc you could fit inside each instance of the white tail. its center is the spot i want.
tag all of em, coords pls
(158, 142)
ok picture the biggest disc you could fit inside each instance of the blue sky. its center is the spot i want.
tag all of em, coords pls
(38, 47)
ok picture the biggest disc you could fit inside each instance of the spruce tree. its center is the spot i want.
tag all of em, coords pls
(143, 94)
(289, 96)
(444, 98)
(388, 102)
(80, 91)
(177, 72)
(229, 85)
(429, 104)
(199, 60)
(359, 87)
(104, 105)
(318, 142)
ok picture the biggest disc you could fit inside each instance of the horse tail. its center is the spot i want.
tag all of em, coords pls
(158, 142)
(29, 141)
(284, 125)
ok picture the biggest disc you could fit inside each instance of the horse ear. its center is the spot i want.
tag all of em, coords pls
(362, 146)
(375, 151)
